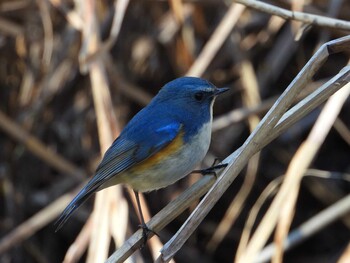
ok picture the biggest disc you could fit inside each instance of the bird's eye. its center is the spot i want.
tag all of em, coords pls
(199, 96)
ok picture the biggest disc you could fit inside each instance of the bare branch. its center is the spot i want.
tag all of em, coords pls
(315, 20)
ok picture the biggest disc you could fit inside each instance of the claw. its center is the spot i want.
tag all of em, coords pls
(212, 169)
(145, 233)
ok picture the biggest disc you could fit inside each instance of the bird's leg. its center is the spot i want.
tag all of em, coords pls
(212, 169)
(145, 229)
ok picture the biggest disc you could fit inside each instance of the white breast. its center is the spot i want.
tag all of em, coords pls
(198, 147)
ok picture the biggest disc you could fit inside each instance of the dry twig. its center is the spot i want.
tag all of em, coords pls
(311, 19)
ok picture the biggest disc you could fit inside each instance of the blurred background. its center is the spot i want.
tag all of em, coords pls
(57, 57)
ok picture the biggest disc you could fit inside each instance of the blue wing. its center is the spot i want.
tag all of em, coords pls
(138, 141)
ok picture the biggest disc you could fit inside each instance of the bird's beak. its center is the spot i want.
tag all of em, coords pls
(218, 91)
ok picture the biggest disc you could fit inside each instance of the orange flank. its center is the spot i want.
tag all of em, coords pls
(168, 150)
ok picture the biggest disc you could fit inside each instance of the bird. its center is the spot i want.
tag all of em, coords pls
(160, 145)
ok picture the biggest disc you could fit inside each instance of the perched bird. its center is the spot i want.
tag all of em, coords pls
(160, 145)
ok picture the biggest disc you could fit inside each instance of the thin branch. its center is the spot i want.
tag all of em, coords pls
(251, 98)
(315, 20)
(216, 40)
(78, 247)
(269, 191)
(281, 211)
(107, 128)
(308, 228)
(48, 31)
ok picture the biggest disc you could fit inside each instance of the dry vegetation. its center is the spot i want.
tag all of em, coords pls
(72, 73)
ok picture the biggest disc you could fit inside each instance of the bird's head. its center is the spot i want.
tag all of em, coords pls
(189, 93)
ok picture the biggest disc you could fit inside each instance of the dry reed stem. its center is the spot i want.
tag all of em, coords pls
(309, 227)
(78, 247)
(119, 224)
(299, 164)
(342, 130)
(297, 6)
(306, 18)
(14, 5)
(120, 7)
(216, 40)
(270, 189)
(251, 98)
(238, 115)
(107, 128)
(72, 16)
(345, 257)
(48, 31)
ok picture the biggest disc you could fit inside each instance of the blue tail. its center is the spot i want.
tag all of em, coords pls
(80, 198)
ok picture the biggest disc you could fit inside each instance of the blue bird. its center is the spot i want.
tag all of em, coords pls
(160, 145)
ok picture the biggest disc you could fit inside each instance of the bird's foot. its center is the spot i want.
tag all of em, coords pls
(212, 169)
(145, 233)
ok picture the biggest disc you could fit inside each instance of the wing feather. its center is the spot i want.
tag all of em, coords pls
(126, 151)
